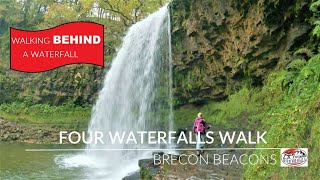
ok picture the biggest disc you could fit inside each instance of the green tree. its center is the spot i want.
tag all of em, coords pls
(10, 14)
(315, 19)
(129, 12)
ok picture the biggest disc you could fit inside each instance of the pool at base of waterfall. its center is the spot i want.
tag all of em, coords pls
(17, 163)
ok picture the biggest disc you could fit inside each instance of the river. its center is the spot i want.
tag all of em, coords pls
(17, 163)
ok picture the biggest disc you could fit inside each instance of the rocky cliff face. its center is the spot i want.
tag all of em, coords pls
(78, 84)
(220, 45)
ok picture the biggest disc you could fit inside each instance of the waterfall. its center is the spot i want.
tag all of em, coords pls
(170, 119)
(136, 96)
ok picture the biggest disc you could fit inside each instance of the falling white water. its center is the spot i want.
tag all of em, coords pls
(170, 119)
(136, 96)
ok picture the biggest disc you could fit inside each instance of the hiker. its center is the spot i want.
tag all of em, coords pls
(199, 128)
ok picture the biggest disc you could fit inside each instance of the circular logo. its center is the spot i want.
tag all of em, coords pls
(294, 157)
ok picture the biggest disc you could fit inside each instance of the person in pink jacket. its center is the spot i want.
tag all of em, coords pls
(199, 128)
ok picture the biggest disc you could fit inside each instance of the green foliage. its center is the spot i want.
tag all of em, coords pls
(316, 30)
(219, 114)
(280, 111)
(129, 12)
(67, 113)
(287, 107)
(296, 65)
(292, 121)
(145, 173)
(58, 14)
(303, 51)
(314, 7)
(8, 7)
(184, 116)
(4, 46)
(315, 19)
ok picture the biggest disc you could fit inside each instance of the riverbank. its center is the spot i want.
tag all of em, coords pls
(40, 123)
(15, 131)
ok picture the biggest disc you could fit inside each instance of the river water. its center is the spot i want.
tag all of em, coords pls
(16, 163)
